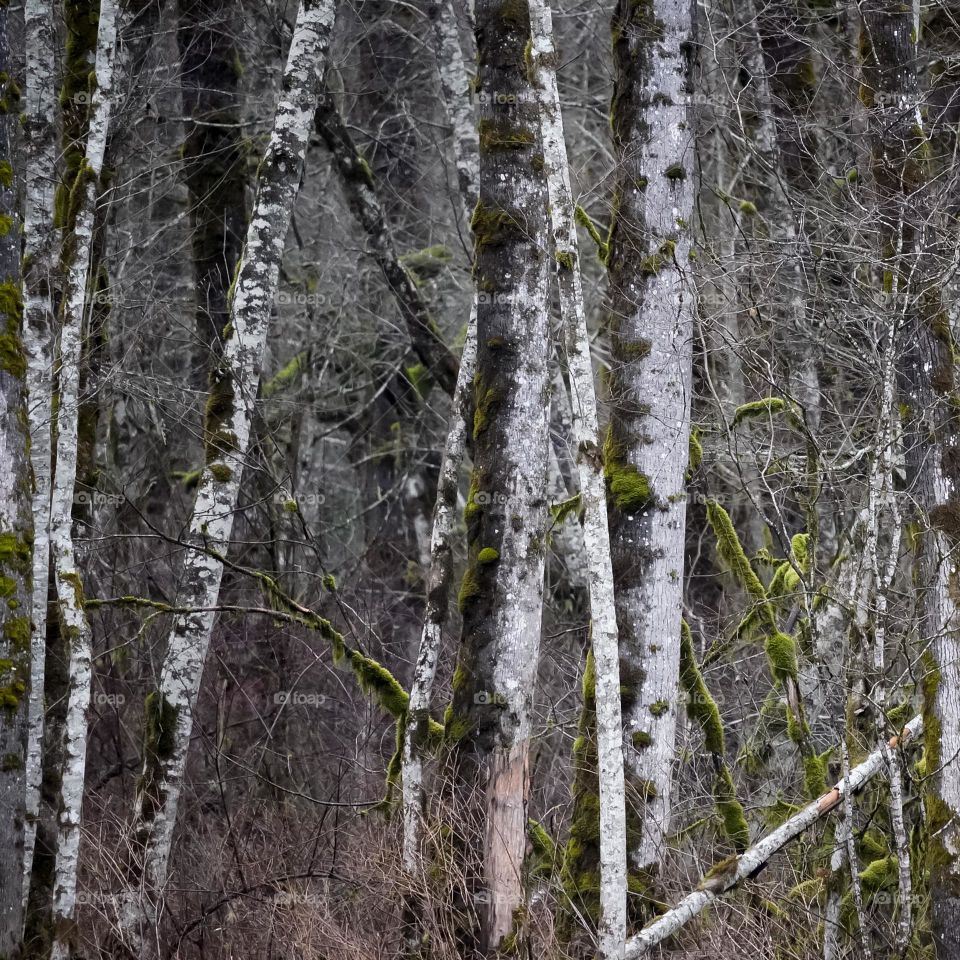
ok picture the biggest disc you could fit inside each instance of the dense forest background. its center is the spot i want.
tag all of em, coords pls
(479, 479)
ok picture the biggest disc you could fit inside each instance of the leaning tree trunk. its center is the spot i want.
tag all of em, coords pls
(611, 828)
(39, 252)
(230, 407)
(506, 514)
(650, 307)
(16, 528)
(926, 373)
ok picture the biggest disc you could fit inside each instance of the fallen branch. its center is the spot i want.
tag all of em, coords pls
(728, 874)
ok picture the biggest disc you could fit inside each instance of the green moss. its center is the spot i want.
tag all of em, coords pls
(221, 473)
(495, 226)
(159, 728)
(488, 555)
(781, 650)
(286, 377)
(758, 408)
(732, 553)
(427, 263)
(659, 708)
(12, 358)
(419, 376)
(501, 135)
(560, 511)
(815, 774)
(731, 810)
(330, 583)
(800, 548)
(629, 490)
(651, 265)
(748, 208)
(701, 707)
(583, 218)
(485, 403)
(469, 588)
(641, 740)
(695, 452)
(6, 224)
(455, 726)
(565, 259)
(16, 553)
(543, 851)
(6, 174)
(377, 681)
(675, 171)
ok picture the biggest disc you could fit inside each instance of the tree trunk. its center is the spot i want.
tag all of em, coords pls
(593, 498)
(651, 309)
(230, 406)
(16, 524)
(506, 514)
(214, 164)
(75, 628)
(39, 251)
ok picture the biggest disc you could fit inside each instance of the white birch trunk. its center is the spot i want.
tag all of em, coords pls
(39, 253)
(729, 874)
(227, 433)
(593, 498)
(74, 623)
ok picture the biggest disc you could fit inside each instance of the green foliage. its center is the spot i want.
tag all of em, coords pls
(543, 856)
(488, 555)
(560, 511)
(427, 263)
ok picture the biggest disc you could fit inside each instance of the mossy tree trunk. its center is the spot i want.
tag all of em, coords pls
(456, 96)
(77, 213)
(650, 309)
(229, 413)
(502, 590)
(926, 372)
(611, 827)
(214, 164)
(16, 521)
(38, 269)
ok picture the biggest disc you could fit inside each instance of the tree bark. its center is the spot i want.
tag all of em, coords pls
(651, 309)
(39, 266)
(729, 873)
(169, 710)
(926, 371)
(16, 522)
(593, 497)
(506, 514)
(74, 625)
